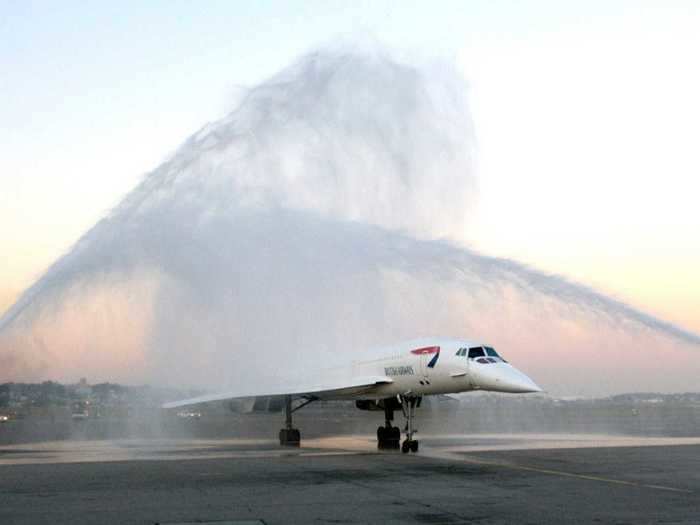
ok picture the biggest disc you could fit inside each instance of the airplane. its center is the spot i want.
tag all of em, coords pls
(393, 378)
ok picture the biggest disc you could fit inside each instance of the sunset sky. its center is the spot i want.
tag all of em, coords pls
(587, 119)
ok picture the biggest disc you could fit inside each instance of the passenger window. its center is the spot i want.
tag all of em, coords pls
(476, 352)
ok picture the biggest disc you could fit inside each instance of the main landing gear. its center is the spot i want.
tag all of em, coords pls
(290, 436)
(388, 436)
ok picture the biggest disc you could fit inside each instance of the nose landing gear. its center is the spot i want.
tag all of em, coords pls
(408, 405)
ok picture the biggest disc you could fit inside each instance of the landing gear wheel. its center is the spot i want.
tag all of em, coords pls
(411, 445)
(290, 437)
(395, 437)
(381, 438)
(388, 438)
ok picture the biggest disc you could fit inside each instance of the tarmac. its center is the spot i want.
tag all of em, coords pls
(455, 479)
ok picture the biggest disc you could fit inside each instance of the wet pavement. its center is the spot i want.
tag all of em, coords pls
(453, 479)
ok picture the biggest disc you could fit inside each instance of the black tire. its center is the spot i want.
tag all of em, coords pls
(405, 447)
(395, 433)
(381, 434)
(414, 446)
(290, 437)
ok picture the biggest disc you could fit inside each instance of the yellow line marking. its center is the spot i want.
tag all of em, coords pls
(571, 474)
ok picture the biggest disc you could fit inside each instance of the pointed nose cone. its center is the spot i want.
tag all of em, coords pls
(502, 377)
(519, 383)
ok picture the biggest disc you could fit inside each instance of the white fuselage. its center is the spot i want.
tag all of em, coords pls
(440, 366)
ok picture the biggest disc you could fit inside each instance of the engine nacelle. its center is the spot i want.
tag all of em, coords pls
(378, 404)
(369, 404)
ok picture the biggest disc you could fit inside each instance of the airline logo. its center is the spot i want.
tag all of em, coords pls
(429, 350)
(398, 371)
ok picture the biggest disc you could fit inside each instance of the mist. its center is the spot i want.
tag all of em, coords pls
(325, 215)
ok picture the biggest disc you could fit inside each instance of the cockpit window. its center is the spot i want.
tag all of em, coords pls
(476, 352)
(492, 353)
(483, 354)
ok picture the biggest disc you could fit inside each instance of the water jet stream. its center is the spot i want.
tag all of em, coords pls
(310, 222)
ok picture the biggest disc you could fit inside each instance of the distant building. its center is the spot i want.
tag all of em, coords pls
(82, 389)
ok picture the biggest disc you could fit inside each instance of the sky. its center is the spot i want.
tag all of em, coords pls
(586, 116)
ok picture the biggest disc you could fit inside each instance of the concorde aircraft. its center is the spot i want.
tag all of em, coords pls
(393, 378)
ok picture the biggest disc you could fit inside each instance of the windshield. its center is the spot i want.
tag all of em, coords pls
(476, 352)
(492, 353)
(485, 355)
